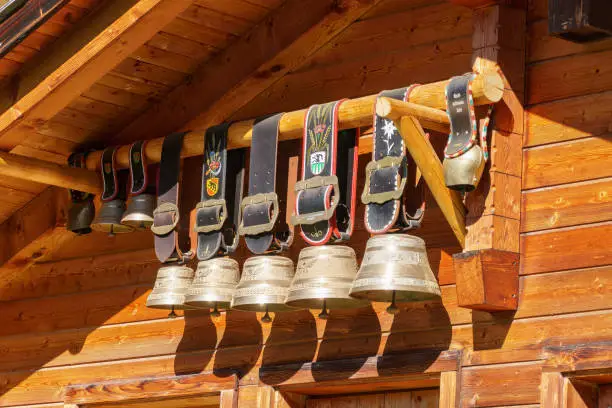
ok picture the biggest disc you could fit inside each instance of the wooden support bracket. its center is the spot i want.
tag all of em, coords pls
(428, 162)
(487, 279)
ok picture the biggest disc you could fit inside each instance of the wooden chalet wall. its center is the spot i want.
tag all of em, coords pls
(82, 318)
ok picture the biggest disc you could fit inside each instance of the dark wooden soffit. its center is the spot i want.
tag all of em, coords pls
(279, 44)
(73, 64)
(484, 3)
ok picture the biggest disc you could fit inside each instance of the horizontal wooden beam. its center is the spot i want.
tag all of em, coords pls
(29, 168)
(486, 89)
(149, 389)
(427, 160)
(427, 102)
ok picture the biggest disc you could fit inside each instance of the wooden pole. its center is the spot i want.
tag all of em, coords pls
(29, 168)
(426, 104)
(486, 88)
(428, 162)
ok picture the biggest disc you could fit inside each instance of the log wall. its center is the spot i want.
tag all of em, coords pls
(82, 318)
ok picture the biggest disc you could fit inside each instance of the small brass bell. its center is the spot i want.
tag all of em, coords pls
(395, 268)
(109, 218)
(214, 284)
(170, 288)
(80, 216)
(264, 285)
(323, 279)
(463, 173)
(139, 213)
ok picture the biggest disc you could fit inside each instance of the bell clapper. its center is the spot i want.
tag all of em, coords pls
(172, 314)
(393, 309)
(215, 312)
(266, 317)
(324, 315)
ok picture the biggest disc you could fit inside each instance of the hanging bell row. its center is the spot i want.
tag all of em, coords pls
(395, 268)
(113, 217)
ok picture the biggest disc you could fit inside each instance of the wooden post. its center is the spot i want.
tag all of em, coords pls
(428, 162)
(448, 390)
(493, 210)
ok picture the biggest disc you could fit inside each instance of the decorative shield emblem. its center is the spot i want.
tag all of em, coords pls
(107, 168)
(212, 186)
(136, 157)
(317, 162)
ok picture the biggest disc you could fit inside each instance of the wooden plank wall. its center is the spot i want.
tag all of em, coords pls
(82, 318)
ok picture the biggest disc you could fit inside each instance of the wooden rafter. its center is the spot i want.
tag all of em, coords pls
(34, 229)
(257, 60)
(72, 65)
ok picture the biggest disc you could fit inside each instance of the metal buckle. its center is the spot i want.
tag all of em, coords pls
(165, 207)
(258, 199)
(381, 198)
(316, 182)
(208, 204)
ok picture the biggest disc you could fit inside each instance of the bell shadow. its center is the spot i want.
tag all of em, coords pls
(199, 333)
(489, 330)
(240, 345)
(351, 335)
(292, 339)
(420, 332)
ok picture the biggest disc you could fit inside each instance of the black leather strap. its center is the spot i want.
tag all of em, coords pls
(325, 201)
(139, 179)
(77, 160)
(166, 225)
(109, 174)
(393, 196)
(460, 109)
(263, 227)
(218, 212)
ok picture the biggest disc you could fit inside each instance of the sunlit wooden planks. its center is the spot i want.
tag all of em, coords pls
(567, 205)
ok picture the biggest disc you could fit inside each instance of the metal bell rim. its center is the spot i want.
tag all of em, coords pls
(329, 303)
(211, 300)
(171, 300)
(139, 220)
(266, 302)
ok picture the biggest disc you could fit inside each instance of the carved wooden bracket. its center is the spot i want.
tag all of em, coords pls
(487, 279)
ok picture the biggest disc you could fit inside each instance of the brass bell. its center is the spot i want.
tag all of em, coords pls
(80, 216)
(170, 288)
(264, 285)
(109, 218)
(395, 268)
(463, 173)
(214, 284)
(139, 213)
(323, 279)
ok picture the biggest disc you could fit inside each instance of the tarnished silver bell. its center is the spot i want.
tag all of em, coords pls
(80, 216)
(109, 217)
(395, 268)
(139, 213)
(214, 284)
(323, 279)
(264, 285)
(463, 173)
(170, 287)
